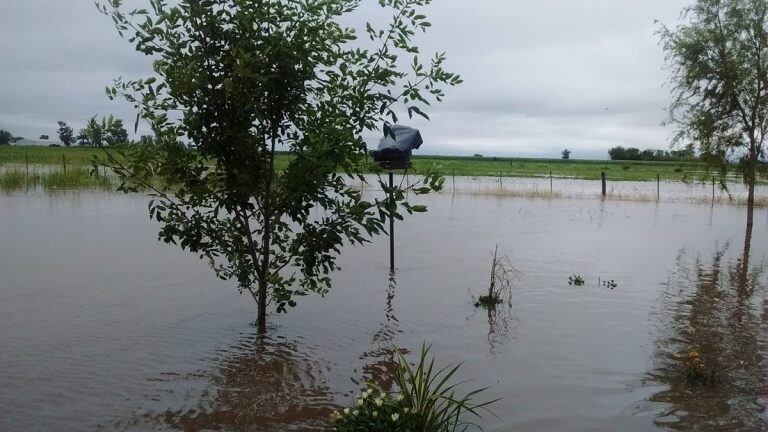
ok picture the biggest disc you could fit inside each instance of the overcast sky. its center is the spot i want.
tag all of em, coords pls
(539, 75)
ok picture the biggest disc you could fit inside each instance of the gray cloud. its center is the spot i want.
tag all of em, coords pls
(540, 75)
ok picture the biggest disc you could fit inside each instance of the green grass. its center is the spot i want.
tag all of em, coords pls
(577, 169)
(37, 155)
(447, 165)
(73, 178)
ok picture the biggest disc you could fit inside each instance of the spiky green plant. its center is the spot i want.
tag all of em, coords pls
(430, 395)
(427, 402)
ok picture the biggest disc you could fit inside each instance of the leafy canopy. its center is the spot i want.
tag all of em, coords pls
(66, 135)
(241, 80)
(718, 61)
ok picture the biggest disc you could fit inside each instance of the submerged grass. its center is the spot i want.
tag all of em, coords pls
(536, 193)
(73, 178)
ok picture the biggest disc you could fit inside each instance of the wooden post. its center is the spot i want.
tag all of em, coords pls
(658, 186)
(64, 162)
(453, 177)
(391, 226)
(551, 189)
(602, 178)
(713, 189)
(500, 184)
(26, 161)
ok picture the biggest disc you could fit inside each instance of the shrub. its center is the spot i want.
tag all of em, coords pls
(426, 402)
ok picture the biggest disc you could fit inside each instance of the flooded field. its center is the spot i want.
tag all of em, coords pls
(104, 328)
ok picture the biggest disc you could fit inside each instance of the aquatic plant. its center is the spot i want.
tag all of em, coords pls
(610, 284)
(575, 280)
(502, 271)
(426, 402)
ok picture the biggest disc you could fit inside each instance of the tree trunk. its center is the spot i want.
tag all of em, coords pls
(267, 237)
(743, 266)
(751, 178)
(261, 317)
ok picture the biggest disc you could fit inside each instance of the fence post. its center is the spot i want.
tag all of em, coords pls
(501, 186)
(26, 161)
(453, 177)
(602, 178)
(658, 186)
(713, 189)
(551, 189)
(64, 162)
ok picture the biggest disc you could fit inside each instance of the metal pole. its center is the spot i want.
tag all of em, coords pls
(391, 226)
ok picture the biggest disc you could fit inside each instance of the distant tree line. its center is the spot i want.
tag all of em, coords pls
(634, 154)
(107, 131)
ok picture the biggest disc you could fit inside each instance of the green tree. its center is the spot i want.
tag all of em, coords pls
(617, 153)
(719, 64)
(93, 133)
(66, 135)
(114, 131)
(242, 80)
(109, 131)
(5, 137)
(566, 154)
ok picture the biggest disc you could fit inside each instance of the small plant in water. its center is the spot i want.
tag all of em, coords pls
(610, 284)
(502, 272)
(695, 370)
(427, 402)
(575, 280)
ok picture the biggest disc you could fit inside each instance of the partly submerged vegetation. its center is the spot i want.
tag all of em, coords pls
(58, 179)
(426, 401)
(500, 282)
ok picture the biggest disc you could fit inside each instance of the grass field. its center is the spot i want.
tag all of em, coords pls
(460, 166)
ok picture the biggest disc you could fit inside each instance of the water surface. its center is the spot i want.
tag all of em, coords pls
(104, 328)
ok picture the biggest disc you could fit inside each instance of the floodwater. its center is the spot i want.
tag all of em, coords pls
(104, 328)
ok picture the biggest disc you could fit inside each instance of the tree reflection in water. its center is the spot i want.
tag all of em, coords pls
(260, 384)
(714, 307)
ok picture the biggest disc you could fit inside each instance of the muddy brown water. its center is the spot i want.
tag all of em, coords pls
(104, 328)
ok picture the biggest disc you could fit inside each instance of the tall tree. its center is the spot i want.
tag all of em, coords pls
(565, 154)
(93, 134)
(5, 137)
(244, 79)
(66, 135)
(114, 131)
(719, 73)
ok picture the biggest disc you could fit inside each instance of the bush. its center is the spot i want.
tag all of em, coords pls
(426, 402)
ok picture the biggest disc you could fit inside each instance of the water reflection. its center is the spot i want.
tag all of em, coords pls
(381, 361)
(501, 324)
(260, 384)
(713, 307)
